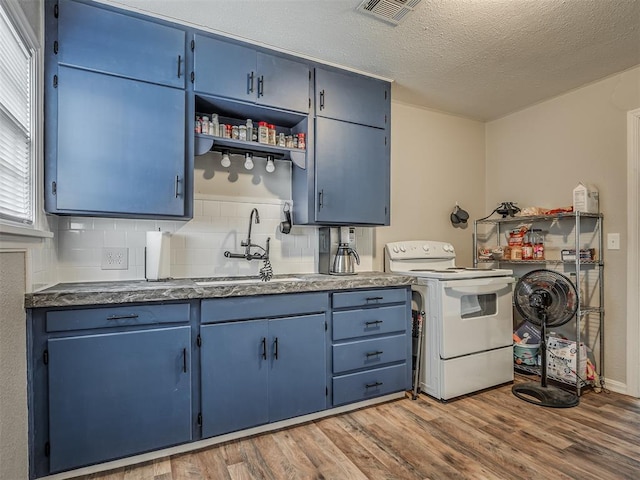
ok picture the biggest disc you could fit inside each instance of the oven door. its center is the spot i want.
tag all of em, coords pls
(477, 315)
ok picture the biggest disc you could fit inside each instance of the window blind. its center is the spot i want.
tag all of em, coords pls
(16, 70)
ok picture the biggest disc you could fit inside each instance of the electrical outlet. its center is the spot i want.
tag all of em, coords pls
(115, 258)
(613, 241)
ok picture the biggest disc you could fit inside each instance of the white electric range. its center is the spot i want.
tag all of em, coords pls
(467, 318)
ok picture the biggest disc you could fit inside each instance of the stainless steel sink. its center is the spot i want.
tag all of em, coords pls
(242, 281)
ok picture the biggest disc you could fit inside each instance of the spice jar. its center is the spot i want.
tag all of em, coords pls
(242, 132)
(538, 244)
(263, 132)
(235, 132)
(281, 140)
(214, 127)
(288, 141)
(198, 125)
(527, 247)
(205, 125)
(249, 128)
(227, 131)
(301, 141)
(272, 134)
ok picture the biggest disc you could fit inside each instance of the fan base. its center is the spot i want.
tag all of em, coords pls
(545, 396)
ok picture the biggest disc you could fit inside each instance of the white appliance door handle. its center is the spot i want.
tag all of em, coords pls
(478, 289)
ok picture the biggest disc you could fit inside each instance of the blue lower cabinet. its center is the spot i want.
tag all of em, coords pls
(298, 374)
(117, 394)
(369, 384)
(259, 371)
(234, 380)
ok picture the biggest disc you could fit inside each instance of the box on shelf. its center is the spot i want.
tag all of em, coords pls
(585, 199)
(586, 254)
(526, 332)
(561, 359)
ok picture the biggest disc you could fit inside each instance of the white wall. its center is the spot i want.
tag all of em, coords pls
(436, 160)
(13, 371)
(538, 155)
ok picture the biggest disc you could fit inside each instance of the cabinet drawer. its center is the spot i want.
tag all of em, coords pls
(369, 321)
(121, 316)
(369, 353)
(262, 306)
(360, 298)
(369, 384)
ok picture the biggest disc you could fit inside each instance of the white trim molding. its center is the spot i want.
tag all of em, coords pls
(633, 255)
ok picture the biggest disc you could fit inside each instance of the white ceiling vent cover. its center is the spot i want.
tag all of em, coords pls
(392, 11)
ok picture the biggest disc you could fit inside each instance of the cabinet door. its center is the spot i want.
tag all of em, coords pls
(97, 39)
(234, 370)
(352, 98)
(298, 373)
(225, 69)
(352, 173)
(283, 83)
(117, 394)
(121, 145)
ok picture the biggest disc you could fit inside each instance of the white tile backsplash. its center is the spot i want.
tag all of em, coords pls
(197, 246)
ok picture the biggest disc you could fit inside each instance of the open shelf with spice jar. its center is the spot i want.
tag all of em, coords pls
(561, 236)
(285, 128)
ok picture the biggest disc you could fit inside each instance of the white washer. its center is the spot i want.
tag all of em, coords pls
(468, 318)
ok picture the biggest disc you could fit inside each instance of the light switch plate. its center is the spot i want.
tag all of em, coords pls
(115, 258)
(613, 241)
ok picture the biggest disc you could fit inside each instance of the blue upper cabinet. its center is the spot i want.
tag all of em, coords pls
(352, 173)
(109, 42)
(111, 162)
(115, 115)
(229, 70)
(352, 98)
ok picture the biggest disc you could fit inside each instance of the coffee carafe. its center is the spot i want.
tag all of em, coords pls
(343, 263)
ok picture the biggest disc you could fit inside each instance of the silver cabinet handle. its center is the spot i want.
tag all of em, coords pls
(121, 317)
(250, 82)
(261, 86)
(177, 186)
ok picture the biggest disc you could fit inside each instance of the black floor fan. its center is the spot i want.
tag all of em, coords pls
(547, 299)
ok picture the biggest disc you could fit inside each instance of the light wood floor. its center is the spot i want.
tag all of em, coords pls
(490, 435)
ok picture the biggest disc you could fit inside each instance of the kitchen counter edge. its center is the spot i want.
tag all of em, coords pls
(134, 291)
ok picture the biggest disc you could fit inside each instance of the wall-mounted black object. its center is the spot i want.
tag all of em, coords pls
(459, 216)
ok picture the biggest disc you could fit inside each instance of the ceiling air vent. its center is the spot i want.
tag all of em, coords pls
(392, 11)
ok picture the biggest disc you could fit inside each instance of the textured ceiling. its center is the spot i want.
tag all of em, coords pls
(480, 59)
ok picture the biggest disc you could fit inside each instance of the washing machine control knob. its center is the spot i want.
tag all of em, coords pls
(402, 248)
(425, 247)
(396, 249)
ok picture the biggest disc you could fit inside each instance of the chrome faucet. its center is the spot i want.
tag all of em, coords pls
(264, 255)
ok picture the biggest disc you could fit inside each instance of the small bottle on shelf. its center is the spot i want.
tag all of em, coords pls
(272, 134)
(198, 125)
(301, 141)
(205, 125)
(538, 244)
(527, 247)
(214, 126)
(249, 128)
(263, 132)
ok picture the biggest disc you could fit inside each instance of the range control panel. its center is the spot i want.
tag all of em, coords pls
(419, 249)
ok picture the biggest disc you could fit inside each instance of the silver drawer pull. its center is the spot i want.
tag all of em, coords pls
(371, 385)
(374, 299)
(373, 323)
(374, 354)
(120, 317)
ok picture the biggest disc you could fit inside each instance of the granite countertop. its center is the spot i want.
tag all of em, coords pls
(103, 293)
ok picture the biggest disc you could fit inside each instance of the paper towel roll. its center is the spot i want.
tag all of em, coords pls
(158, 256)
